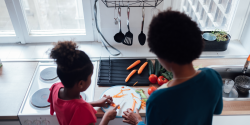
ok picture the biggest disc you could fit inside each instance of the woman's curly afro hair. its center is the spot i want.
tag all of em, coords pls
(174, 37)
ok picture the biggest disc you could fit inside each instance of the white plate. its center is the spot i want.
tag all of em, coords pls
(129, 100)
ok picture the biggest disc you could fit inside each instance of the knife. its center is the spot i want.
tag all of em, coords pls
(122, 102)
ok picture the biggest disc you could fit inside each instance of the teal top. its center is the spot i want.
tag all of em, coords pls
(193, 102)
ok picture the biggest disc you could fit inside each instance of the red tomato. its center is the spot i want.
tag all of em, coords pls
(152, 78)
(151, 89)
(161, 80)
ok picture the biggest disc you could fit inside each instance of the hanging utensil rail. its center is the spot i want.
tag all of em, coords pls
(132, 3)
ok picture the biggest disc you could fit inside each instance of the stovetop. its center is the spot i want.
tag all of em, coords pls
(37, 83)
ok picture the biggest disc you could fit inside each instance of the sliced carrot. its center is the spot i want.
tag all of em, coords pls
(142, 67)
(118, 93)
(119, 96)
(134, 64)
(133, 96)
(135, 83)
(123, 87)
(130, 75)
(113, 105)
(125, 90)
(133, 106)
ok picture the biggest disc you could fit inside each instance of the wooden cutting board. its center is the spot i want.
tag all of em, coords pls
(127, 104)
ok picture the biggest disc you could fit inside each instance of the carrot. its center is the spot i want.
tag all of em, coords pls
(135, 83)
(130, 75)
(134, 64)
(118, 96)
(133, 106)
(142, 67)
(123, 87)
(118, 93)
(113, 105)
(133, 96)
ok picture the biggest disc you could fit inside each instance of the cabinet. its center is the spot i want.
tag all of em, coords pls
(116, 121)
(10, 123)
(232, 120)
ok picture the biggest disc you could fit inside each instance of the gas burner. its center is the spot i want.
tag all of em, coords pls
(48, 74)
(40, 97)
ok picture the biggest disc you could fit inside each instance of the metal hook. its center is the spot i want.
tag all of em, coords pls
(143, 5)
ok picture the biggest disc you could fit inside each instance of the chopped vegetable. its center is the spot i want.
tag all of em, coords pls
(142, 67)
(130, 75)
(114, 105)
(134, 64)
(143, 104)
(135, 83)
(123, 87)
(150, 67)
(151, 90)
(152, 78)
(161, 80)
(133, 106)
(133, 96)
(118, 95)
(125, 90)
(143, 96)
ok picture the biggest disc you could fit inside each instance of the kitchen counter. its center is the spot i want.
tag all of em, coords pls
(229, 107)
(15, 78)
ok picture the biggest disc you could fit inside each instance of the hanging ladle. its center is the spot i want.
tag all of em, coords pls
(119, 37)
(142, 36)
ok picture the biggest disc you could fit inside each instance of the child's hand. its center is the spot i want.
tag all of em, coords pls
(110, 115)
(105, 101)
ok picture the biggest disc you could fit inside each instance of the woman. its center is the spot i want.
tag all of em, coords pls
(192, 97)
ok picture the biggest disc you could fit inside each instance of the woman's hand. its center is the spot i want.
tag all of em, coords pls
(131, 117)
(103, 102)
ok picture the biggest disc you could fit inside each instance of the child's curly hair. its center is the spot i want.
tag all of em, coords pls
(73, 65)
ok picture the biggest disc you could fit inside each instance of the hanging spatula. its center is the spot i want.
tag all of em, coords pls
(119, 37)
(128, 36)
(142, 36)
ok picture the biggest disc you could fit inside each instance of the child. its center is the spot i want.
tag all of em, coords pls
(74, 69)
(191, 97)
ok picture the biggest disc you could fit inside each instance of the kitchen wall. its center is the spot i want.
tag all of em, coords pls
(245, 38)
(109, 29)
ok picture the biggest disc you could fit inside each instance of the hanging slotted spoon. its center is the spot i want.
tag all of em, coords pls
(142, 36)
(128, 36)
(119, 37)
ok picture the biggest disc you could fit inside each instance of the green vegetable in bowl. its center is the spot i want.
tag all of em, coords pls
(141, 92)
